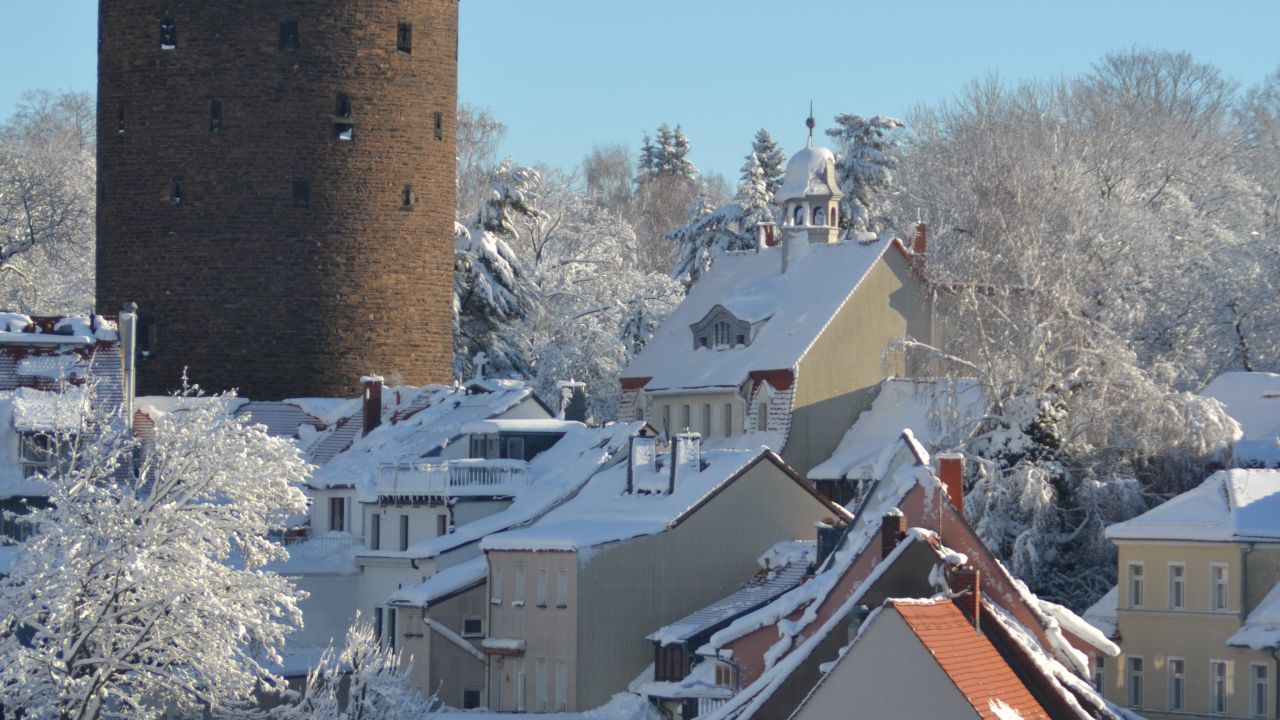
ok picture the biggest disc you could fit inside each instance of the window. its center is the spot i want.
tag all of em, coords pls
(1218, 687)
(470, 698)
(1259, 690)
(1177, 683)
(666, 419)
(439, 126)
(562, 588)
(1177, 586)
(148, 336)
(215, 116)
(377, 623)
(168, 34)
(541, 588)
(289, 36)
(1136, 585)
(301, 194)
(706, 420)
(724, 675)
(404, 533)
(404, 37)
(740, 340)
(120, 121)
(798, 217)
(540, 685)
(342, 128)
(495, 586)
(819, 216)
(1135, 682)
(684, 418)
(762, 416)
(1218, 592)
(375, 532)
(391, 628)
(517, 594)
(472, 626)
(406, 197)
(720, 331)
(1099, 672)
(519, 690)
(562, 686)
(344, 106)
(175, 190)
(442, 525)
(515, 448)
(728, 419)
(42, 454)
(337, 514)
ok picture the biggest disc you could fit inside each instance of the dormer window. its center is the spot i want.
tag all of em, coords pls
(722, 328)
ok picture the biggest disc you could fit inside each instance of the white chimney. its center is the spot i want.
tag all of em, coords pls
(686, 457)
(641, 457)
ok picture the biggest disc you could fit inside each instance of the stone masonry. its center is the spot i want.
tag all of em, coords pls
(266, 250)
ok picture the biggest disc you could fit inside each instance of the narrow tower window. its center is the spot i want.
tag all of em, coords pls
(120, 121)
(301, 193)
(404, 37)
(406, 198)
(168, 34)
(439, 126)
(344, 105)
(289, 36)
(175, 190)
(342, 128)
(215, 116)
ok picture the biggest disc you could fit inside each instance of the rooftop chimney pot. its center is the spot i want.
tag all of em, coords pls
(893, 528)
(372, 402)
(951, 473)
(966, 591)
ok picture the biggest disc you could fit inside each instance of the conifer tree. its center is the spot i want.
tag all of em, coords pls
(867, 157)
(773, 161)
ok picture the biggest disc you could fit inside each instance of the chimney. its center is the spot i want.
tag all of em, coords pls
(966, 591)
(893, 527)
(129, 349)
(372, 402)
(641, 456)
(951, 473)
(830, 531)
(919, 246)
(573, 400)
(686, 457)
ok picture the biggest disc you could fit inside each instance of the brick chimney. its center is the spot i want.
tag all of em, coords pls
(919, 246)
(372, 402)
(642, 456)
(951, 473)
(966, 591)
(686, 457)
(893, 527)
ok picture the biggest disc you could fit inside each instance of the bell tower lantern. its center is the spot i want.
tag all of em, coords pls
(810, 194)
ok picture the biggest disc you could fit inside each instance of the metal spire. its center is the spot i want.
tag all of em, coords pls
(810, 123)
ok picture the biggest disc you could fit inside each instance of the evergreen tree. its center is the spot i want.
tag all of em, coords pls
(773, 161)
(713, 231)
(867, 158)
(755, 196)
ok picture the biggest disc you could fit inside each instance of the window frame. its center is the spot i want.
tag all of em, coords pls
(467, 702)
(1219, 583)
(517, 594)
(404, 37)
(562, 588)
(1099, 672)
(1180, 584)
(215, 117)
(541, 587)
(404, 532)
(478, 632)
(1218, 686)
(1138, 582)
(290, 36)
(375, 532)
(495, 585)
(726, 417)
(169, 33)
(1256, 709)
(339, 504)
(1178, 679)
(1134, 681)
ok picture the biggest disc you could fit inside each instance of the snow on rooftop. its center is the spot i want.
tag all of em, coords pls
(1102, 614)
(1261, 630)
(939, 413)
(39, 410)
(1252, 399)
(520, 425)
(802, 301)
(604, 512)
(1231, 505)
(445, 412)
(442, 584)
(810, 171)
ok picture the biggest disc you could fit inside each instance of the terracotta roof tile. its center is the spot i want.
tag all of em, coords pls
(968, 658)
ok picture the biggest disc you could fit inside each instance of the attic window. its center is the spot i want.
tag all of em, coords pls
(439, 130)
(289, 36)
(301, 194)
(721, 331)
(404, 37)
(168, 34)
(215, 116)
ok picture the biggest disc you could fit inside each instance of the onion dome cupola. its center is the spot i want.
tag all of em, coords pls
(810, 194)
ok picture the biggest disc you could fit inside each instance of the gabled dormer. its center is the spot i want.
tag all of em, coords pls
(721, 328)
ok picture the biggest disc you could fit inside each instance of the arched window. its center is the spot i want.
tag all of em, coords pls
(799, 215)
(819, 216)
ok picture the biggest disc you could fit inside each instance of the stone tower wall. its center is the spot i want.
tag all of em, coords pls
(265, 252)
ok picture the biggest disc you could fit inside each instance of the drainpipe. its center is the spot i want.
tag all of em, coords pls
(128, 334)
(1244, 581)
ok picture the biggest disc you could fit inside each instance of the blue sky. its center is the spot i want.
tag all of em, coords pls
(567, 74)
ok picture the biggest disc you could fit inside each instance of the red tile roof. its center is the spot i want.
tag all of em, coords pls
(968, 658)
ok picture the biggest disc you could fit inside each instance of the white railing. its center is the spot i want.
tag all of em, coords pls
(452, 478)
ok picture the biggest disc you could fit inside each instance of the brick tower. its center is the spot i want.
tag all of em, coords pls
(276, 189)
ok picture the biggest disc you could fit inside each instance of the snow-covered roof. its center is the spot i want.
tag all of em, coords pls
(810, 171)
(554, 476)
(938, 412)
(603, 512)
(1261, 630)
(282, 419)
(442, 413)
(761, 589)
(521, 425)
(443, 584)
(804, 299)
(1232, 505)
(1253, 400)
(1102, 614)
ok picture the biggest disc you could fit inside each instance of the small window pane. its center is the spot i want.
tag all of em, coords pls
(439, 123)
(404, 37)
(168, 34)
(289, 36)
(301, 193)
(215, 116)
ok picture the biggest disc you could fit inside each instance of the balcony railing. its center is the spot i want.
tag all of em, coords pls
(452, 478)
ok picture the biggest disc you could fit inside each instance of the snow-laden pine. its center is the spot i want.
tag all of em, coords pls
(142, 590)
(866, 157)
(713, 231)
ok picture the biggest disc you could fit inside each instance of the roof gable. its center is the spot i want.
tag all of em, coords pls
(1231, 505)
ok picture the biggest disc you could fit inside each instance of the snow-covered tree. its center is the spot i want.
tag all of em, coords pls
(665, 187)
(366, 681)
(479, 136)
(142, 592)
(607, 173)
(712, 231)
(490, 287)
(867, 155)
(773, 161)
(47, 204)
